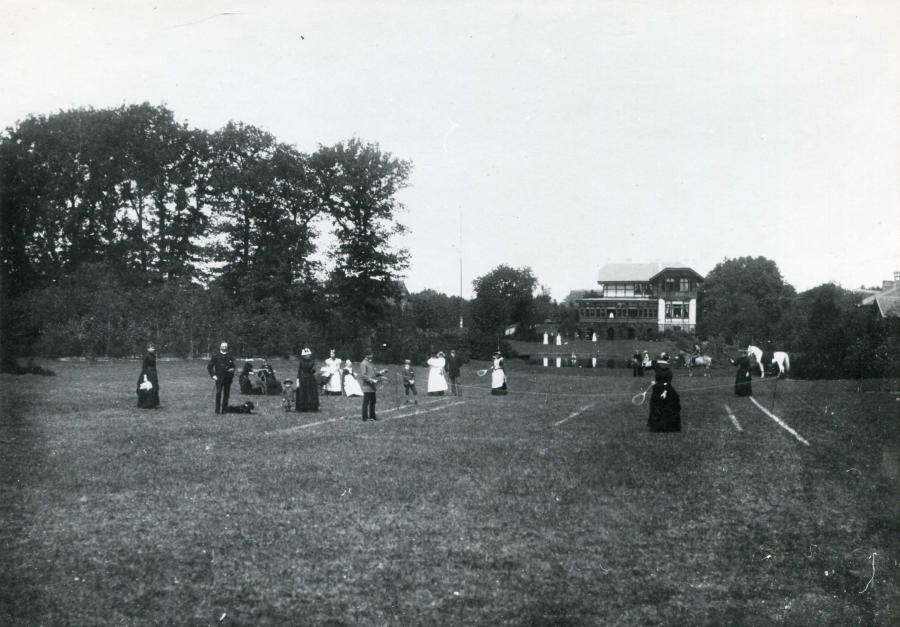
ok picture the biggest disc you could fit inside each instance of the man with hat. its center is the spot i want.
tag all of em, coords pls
(453, 365)
(409, 381)
(221, 369)
(369, 384)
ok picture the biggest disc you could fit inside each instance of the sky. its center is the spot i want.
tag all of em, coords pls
(557, 136)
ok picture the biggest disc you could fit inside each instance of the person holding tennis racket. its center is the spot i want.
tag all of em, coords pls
(498, 376)
(665, 404)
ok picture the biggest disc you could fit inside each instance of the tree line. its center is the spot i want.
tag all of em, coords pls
(828, 333)
(122, 226)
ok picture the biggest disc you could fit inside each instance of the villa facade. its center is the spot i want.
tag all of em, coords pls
(638, 300)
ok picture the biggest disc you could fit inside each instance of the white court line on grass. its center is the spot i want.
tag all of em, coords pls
(325, 422)
(737, 425)
(417, 413)
(779, 421)
(580, 411)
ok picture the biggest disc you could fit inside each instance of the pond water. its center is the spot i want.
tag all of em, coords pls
(580, 361)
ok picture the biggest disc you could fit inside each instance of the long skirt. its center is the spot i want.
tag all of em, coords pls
(307, 393)
(351, 386)
(498, 383)
(742, 383)
(665, 413)
(249, 385)
(148, 399)
(437, 384)
(333, 385)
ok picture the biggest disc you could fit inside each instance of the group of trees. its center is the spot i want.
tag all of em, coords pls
(122, 226)
(746, 301)
(115, 223)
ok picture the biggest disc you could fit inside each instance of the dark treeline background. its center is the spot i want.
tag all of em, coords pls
(123, 226)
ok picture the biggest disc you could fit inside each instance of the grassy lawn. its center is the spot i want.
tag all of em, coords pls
(492, 511)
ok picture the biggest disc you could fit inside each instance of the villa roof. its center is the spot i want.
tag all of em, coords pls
(614, 272)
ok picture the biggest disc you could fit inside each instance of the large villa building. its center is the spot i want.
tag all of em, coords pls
(638, 300)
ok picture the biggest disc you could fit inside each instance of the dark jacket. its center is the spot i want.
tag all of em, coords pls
(453, 364)
(369, 376)
(222, 367)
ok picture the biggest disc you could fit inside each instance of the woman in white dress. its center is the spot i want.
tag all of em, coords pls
(351, 385)
(498, 376)
(333, 371)
(437, 383)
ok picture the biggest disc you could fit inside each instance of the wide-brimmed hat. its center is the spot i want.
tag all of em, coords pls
(497, 353)
(305, 352)
(287, 382)
(440, 353)
(407, 361)
(664, 356)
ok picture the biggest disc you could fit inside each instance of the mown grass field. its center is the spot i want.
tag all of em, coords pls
(491, 511)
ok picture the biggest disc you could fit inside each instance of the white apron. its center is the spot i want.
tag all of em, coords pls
(436, 380)
(351, 385)
(333, 370)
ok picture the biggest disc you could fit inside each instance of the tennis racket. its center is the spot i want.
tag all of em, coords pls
(638, 399)
(481, 373)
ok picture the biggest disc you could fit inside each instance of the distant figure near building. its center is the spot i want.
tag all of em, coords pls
(221, 369)
(637, 365)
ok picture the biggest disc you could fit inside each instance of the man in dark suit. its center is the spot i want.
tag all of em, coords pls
(221, 369)
(453, 364)
(369, 378)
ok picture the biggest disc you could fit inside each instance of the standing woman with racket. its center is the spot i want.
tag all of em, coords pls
(665, 404)
(498, 376)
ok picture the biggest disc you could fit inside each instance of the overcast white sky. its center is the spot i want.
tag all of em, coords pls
(564, 133)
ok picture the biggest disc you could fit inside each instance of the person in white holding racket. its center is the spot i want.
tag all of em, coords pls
(498, 376)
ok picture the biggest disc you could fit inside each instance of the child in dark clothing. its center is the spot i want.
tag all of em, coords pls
(409, 381)
(287, 397)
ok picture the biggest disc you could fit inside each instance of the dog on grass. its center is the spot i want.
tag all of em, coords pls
(246, 408)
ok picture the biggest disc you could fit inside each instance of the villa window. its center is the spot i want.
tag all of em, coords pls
(685, 285)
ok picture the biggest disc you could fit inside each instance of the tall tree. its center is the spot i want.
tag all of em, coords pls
(504, 296)
(357, 185)
(264, 212)
(744, 299)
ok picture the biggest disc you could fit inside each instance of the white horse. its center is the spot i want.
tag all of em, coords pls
(780, 358)
(784, 362)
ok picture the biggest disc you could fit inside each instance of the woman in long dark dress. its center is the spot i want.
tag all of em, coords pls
(307, 388)
(742, 379)
(148, 398)
(665, 404)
